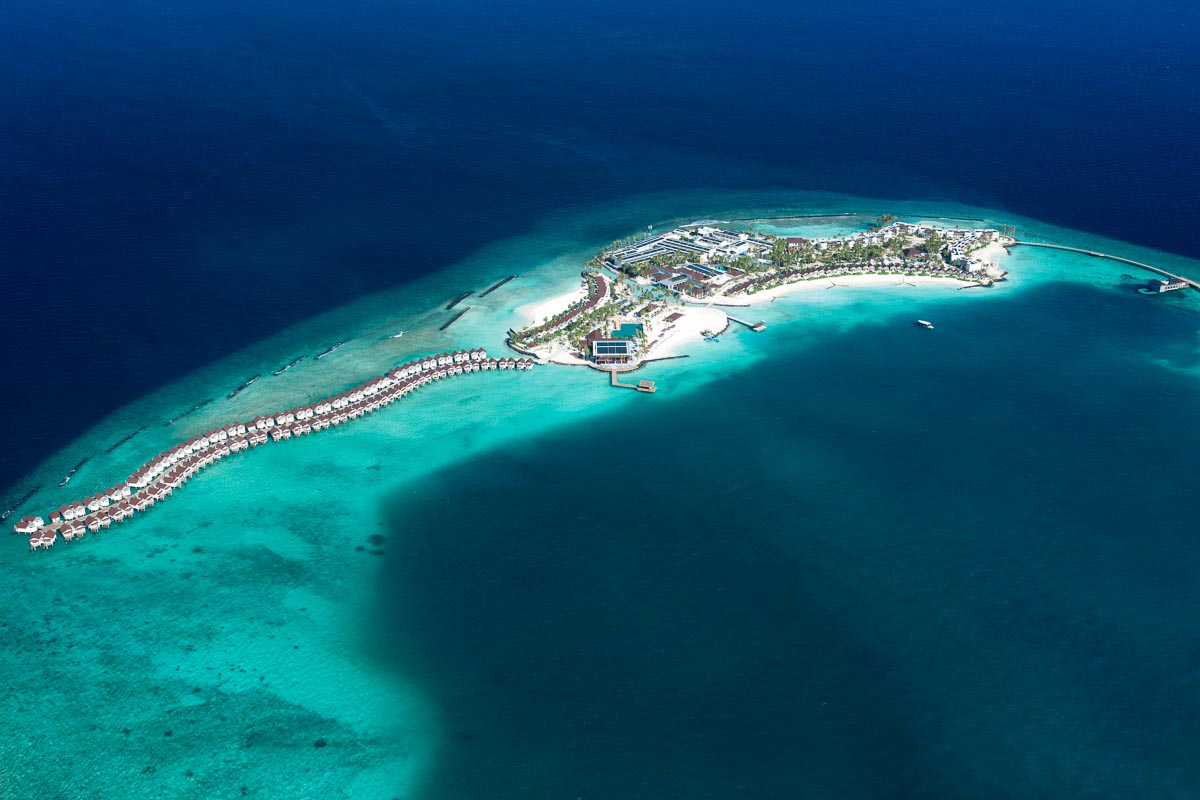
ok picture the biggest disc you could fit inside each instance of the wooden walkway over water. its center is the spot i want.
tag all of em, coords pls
(641, 386)
(757, 327)
(1188, 281)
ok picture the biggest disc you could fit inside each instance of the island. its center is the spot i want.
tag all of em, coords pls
(642, 298)
(639, 300)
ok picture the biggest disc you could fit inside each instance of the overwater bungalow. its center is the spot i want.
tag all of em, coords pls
(28, 524)
(43, 539)
(171, 469)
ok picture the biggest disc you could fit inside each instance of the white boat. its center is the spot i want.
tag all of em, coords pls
(397, 336)
(924, 323)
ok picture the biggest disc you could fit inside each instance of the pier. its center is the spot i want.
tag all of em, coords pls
(641, 386)
(757, 327)
(163, 474)
(1094, 254)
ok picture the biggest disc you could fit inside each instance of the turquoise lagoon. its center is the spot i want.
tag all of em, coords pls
(327, 617)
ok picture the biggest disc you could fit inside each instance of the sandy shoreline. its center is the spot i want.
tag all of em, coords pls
(668, 338)
(991, 255)
(536, 313)
(844, 281)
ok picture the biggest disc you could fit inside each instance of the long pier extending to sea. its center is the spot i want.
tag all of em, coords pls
(1095, 254)
(159, 477)
(641, 386)
(757, 327)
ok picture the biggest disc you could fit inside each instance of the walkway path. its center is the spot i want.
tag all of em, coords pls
(1188, 281)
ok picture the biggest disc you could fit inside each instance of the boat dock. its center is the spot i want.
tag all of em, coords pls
(641, 386)
(1094, 254)
(757, 327)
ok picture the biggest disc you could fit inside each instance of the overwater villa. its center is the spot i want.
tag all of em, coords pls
(159, 477)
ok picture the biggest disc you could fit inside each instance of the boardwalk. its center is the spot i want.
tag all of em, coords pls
(1188, 281)
(641, 386)
(757, 327)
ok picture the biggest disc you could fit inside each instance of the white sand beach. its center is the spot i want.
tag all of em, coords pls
(535, 313)
(991, 255)
(669, 338)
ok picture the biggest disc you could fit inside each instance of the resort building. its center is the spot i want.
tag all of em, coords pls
(1158, 285)
(613, 351)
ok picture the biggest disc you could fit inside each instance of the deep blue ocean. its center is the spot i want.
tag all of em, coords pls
(277, 159)
(880, 567)
(886, 565)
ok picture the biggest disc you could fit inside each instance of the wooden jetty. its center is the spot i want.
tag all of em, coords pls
(757, 327)
(1095, 254)
(641, 386)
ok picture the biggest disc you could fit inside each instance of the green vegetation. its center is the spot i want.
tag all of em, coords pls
(883, 221)
(902, 250)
